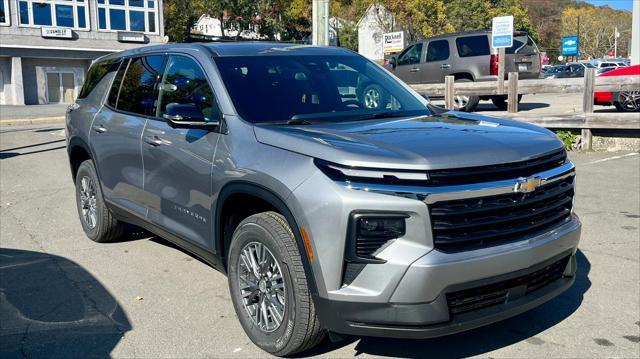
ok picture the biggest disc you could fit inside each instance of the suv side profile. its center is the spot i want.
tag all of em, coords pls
(467, 56)
(334, 197)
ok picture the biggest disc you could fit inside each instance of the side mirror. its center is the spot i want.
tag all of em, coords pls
(187, 115)
(394, 62)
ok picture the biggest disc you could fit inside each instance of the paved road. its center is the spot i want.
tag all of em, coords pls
(63, 295)
(9, 112)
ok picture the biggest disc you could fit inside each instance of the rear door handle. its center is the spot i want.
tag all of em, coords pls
(99, 128)
(445, 66)
(153, 140)
(415, 69)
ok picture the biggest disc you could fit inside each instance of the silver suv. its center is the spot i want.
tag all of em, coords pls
(334, 197)
(467, 56)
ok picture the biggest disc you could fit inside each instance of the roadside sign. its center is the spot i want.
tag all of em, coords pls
(570, 45)
(392, 42)
(502, 32)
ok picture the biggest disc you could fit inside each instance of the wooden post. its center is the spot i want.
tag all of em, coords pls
(587, 99)
(512, 105)
(586, 140)
(449, 92)
(501, 59)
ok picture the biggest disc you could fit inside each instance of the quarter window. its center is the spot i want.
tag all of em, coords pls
(473, 46)
(184, 82)
(438, 50)
(96, 74)
(4, 12)
(61, 13)
(128, 15)
(138, 90)
(411, 55)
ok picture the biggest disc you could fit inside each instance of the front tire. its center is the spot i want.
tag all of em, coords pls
(465, 103)
(97, 221)
(269, 287)
(627, 101)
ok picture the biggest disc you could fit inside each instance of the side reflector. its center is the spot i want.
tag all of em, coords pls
(307, 243)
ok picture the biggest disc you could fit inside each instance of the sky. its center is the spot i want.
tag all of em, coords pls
(616, 4)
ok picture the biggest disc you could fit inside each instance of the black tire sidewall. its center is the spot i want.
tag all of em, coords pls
(87, 169)
(277, 340)
(473, 102)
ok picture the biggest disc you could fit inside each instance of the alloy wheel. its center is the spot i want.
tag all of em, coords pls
(88, 202)
(460, 102)
(629, 100)
(372, 98)
(261, 286)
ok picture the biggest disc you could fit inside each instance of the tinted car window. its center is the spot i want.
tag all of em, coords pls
(411, 55)
(438, 50)
(184, 82)
(115, 86)
(318, 88)
(473, 46)
(522, 45)
(138, 90)
(96, 73)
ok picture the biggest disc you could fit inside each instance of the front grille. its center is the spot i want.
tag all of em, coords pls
(470, 175)
(501, 292)
(468, 224)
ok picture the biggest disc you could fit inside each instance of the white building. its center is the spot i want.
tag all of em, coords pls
(46, 46)
(211, 27)
(376, 21)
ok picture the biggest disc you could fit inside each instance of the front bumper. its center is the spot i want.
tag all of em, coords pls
(434, 319)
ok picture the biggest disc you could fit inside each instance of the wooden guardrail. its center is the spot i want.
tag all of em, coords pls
(587, 86)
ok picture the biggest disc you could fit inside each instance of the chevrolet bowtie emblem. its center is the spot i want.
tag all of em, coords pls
(526, 185)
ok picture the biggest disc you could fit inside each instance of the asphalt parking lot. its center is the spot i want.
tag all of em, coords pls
(63, 295)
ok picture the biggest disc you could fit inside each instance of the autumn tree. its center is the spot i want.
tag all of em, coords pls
(597, 29)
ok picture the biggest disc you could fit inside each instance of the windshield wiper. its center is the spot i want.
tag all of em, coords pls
(292, 122)
(377, 115)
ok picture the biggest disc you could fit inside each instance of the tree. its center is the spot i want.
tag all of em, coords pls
(180, 16)
(597, 27)
(420, 18)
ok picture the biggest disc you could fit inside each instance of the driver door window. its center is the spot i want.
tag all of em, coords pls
(184, 82)
(411, 55)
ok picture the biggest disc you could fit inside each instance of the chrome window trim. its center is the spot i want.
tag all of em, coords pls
(445, 193)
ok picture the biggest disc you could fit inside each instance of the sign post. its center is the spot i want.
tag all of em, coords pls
(501, 38)
(392, 42)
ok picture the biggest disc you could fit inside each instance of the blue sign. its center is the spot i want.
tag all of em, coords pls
(570, 45)
(502, 41)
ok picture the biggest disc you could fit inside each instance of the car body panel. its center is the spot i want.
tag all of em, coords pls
(606, 98)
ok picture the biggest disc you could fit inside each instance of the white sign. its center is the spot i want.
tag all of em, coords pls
(502, 32)
(56, 32)
(392, 42)
(130, 36)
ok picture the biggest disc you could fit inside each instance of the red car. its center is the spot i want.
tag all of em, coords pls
(624, 101)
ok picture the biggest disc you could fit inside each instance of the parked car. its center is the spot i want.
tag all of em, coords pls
(573, 70)
(469, 57)
(333, 196)
(627, 101)
(600, 63)
(553, 71)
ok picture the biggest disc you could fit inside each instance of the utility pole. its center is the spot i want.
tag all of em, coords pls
(320, 22)
(635, 34)
(615, 43)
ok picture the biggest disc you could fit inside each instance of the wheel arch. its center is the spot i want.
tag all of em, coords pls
(271, 199)
(78, 151)
(463, 75)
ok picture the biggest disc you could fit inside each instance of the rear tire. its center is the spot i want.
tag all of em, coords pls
(501, 102)
(628, 101)
(97, 221)
(262, 246)
(465, 103)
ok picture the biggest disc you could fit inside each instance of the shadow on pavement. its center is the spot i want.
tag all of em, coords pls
(52, 307)
(482, 340)
(523, 106)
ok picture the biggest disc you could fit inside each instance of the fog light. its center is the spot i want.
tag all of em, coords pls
(380, 227)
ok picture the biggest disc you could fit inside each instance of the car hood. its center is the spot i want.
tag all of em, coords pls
(450, 140)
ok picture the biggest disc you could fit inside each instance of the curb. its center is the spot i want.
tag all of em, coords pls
(32, 121)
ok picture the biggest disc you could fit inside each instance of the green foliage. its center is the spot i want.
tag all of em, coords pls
(568, 138)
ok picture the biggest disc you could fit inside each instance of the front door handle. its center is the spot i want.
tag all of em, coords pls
(415, 69)
(445, 66)
(99, 128)
(153, 140)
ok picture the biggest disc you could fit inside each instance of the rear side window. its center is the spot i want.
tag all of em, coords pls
(138, 91)
(115, 86)
(438, 50)
(184, 82)
(96, 73)
(411, 55)
(473, 46)
(522, 45)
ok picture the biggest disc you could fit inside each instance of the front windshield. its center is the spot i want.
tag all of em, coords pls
(282, 88)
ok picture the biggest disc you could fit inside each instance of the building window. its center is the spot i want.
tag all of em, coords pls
(127, 15)
(60, 13)
(4, 12)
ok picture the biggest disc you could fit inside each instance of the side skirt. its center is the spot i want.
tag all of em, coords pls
(204, 254)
